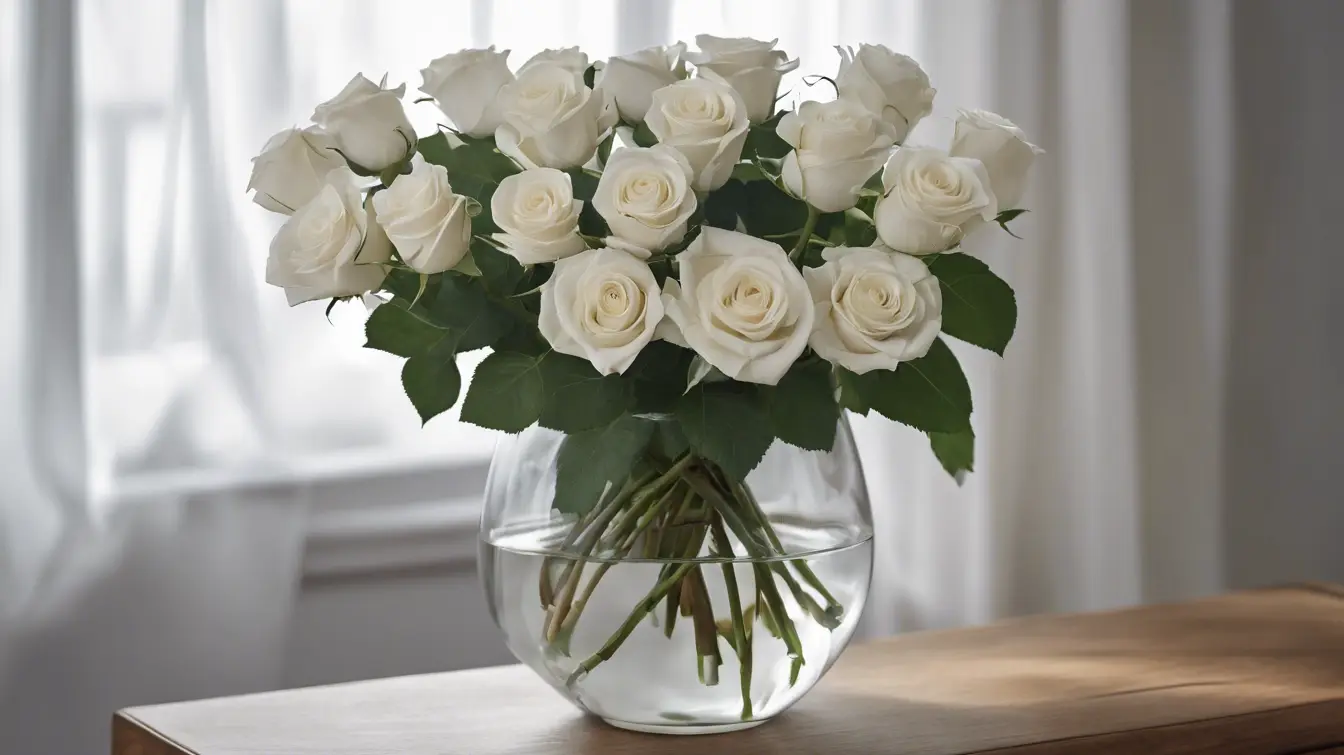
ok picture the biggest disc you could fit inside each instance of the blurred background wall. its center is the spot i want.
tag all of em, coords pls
(203, 492)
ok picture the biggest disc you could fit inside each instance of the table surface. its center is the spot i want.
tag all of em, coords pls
(1252, 672)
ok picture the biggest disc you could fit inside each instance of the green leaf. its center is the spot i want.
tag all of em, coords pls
(462, 305)
(746, 172)
(405, 284)
(431, 380)
(592, 460)
(577, 396)
(643, 137)
(392, 328)
(669, 441)
(930, 393)
(604, 148)
(764, 209)
(501, 272)
(955, 451)
(506, 393)
(727, 424)
(847, 390)
(582, 183)
(859, 230)
(1006, 217)
(658, 377)
(978, 306)
(802, 407)
(762, 141)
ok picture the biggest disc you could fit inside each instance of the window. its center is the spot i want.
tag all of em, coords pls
(197, 374)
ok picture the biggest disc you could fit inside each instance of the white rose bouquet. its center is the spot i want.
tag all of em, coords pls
(667, 271)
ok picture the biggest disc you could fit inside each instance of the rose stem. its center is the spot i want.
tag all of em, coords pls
(547, 589)
(706, 634)
(775, 603)
(805, 571)
(805, 235)
(742, 643)
(644, 491)
(603, 510)
(674, 542)
(764, 581)
(643, 608)
(645, 520)
(574, 571)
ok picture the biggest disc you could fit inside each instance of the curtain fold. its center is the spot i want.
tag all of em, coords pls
(1098, 480)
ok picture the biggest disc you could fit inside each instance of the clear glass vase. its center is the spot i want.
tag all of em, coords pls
(681, 602)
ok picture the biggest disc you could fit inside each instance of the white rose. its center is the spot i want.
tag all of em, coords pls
(368, 124)
(740, 304)
(706, 121)
(465, 85)
(551, 119)
(929, 198)
(753, 67)
(887, 83)
(837, 147)
(645, 196)
(875, 308)
(632, 79)
(601, 305)
(571, 59)
(427, 223)
(292, 168)
(539, 216)
(1002, 147)
(330, 247)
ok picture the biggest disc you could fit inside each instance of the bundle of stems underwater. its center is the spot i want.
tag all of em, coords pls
(671, 512)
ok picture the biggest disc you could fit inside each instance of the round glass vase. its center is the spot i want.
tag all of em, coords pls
(681, 602)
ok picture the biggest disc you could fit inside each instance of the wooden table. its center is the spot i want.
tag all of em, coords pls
(1255, 672)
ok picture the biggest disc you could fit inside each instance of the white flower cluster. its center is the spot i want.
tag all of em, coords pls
(745, 305)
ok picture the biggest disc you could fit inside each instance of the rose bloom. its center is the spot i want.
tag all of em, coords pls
(601, 305)
(539, 215)
(875, 308)
(930, 199)
(740, 304)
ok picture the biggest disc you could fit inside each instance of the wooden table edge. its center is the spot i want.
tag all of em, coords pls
(131, 736)
(1299, 718)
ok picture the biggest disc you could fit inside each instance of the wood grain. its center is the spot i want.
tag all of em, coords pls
(1245, 674)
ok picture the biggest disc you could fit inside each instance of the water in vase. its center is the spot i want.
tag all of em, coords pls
(646, 657)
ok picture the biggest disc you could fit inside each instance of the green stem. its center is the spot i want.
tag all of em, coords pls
(764, 580)
(741, 642)
(810, 225)
(642, 609)
(828, 617)
(706, 633)
(546, 588)
(627, 543)
(569, 578)
(706, 490)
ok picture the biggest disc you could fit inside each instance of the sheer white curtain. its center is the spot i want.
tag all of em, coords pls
(1098, 477)
(170, 411)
